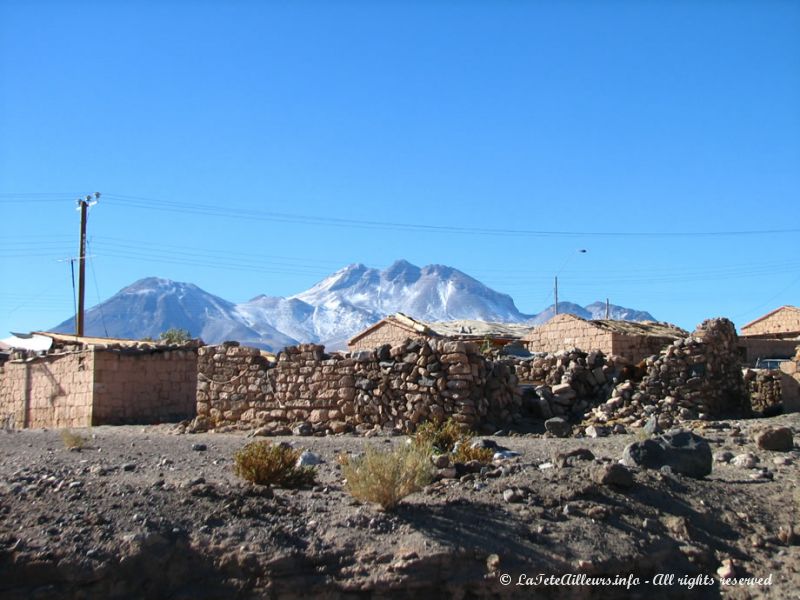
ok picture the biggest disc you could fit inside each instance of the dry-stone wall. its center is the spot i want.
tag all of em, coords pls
(697, 377)
(396, 387)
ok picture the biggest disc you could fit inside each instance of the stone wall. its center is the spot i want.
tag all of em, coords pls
(391, 387)
(697, 377)
(98, 386)
(48, 391)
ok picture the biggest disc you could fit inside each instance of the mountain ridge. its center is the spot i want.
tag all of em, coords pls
(330, 312)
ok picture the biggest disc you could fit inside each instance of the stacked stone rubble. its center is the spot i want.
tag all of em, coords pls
(697, 377)
(765, 390)
(566, 383)
(389, 387)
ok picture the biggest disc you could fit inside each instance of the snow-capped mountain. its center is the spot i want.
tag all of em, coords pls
(595, 310)
(330, 312)
(152, 305)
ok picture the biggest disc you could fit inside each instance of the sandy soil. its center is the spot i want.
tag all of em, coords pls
(144, 512)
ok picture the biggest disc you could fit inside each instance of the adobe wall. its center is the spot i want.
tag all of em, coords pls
(47, 391)
(391, 387)
(635, 348)
(98, 386)
(387, 333)
(144, 387)
(556, 336)
(754, 348)
(784, 321)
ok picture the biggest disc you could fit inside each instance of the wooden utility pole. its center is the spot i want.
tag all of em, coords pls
(556, 294)
(83, 205)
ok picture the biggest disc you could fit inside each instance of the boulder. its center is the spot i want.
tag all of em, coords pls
(613, 474)
(682, 451)
(558, 426)
(775, 438)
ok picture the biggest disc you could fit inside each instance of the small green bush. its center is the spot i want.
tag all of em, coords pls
(264, 463)
(73, 441)
(387, 476)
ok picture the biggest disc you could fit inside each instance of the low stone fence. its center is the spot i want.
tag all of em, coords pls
(390, 387)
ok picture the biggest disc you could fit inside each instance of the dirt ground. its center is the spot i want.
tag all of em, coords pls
(147, 512)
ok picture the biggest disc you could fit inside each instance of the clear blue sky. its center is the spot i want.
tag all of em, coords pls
(228, 137)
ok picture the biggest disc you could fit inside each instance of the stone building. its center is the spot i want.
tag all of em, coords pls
(630, 340)
(397, 328)
(83, 381)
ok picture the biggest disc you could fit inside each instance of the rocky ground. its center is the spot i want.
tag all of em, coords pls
(147, 512)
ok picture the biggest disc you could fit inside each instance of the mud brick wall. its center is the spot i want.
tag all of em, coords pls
(790, 383)
(786, 320)
(394, 387)
(98, 385)
(144, 387)
(696, 377)
(387, 333)
(564, 332)
(754, 348)
(635, 348)
(48, 391)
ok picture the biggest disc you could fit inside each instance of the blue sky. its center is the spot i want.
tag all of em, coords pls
(255, 147)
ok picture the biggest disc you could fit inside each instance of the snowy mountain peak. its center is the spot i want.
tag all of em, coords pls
(402, 270)
(330, 312)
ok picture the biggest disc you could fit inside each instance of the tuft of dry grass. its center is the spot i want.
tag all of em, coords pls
(465, 453)
(449, 437)
(74, 441)
(264, 463)
(385, 477)
(441, 436)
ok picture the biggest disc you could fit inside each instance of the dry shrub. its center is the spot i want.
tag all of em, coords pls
(465, 453)
(387, 476)
(449, 437)
(441, 436)
(73, 441)
(264, 463)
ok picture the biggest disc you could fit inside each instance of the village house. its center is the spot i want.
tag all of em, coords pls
(59, 380)
(775, 335)
(397, 328)
(630, 340)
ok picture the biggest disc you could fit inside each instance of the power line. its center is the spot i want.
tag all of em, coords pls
(140, 202)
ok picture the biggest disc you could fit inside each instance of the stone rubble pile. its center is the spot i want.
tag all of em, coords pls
(765, 390)
(396, 388)
(699, 377)
(567, 383)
